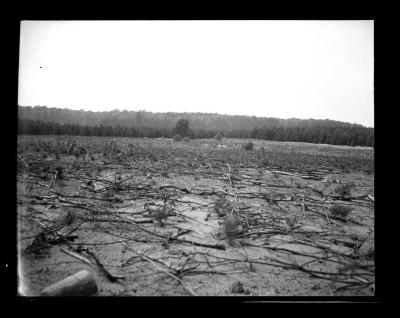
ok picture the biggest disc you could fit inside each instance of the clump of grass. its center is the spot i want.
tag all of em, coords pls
(222, 207)
(344, 190)
(340, 210)
(248, 146)
(177, 138)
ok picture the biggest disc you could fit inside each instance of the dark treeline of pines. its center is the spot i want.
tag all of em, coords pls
(352, 135)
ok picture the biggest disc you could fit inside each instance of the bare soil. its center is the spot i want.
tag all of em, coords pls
(145, 210)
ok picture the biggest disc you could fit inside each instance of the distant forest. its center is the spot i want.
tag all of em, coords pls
(41, 120)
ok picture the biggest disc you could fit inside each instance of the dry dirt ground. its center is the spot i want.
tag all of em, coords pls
(151, 217)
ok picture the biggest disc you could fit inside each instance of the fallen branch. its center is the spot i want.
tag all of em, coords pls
(111, 278)
(77, 256)
(144, 256)
(215, 246)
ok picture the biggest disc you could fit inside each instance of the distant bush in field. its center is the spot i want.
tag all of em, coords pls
(177, 138)
(186, 139)
(344, 190)
(262, 152)
(340, 210)
(248, 146)
(182, 127)
(218, 136)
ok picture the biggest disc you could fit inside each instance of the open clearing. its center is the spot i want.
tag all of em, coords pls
(154, 217)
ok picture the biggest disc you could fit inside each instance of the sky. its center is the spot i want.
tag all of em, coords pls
(275, 68)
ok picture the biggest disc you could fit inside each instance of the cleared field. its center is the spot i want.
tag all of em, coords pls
(158, 217)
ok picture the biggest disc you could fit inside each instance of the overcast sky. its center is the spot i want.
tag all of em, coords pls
(285, 69)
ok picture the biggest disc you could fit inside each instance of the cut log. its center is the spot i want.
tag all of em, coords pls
(79, 284)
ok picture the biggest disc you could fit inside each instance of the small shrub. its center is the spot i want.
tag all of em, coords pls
(248, 146)
(340, 210)
(162, 214)
(218, 136)
(262, 152)
(326, 184)
(60, 172)
(222, 207)
(69, 218)
(109, 193)
(291, 222)
(177, 138)
(80, 151)
(344, 190)
(232, 227)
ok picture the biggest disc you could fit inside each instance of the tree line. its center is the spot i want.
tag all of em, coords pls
(168, 120)
(351, 135)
